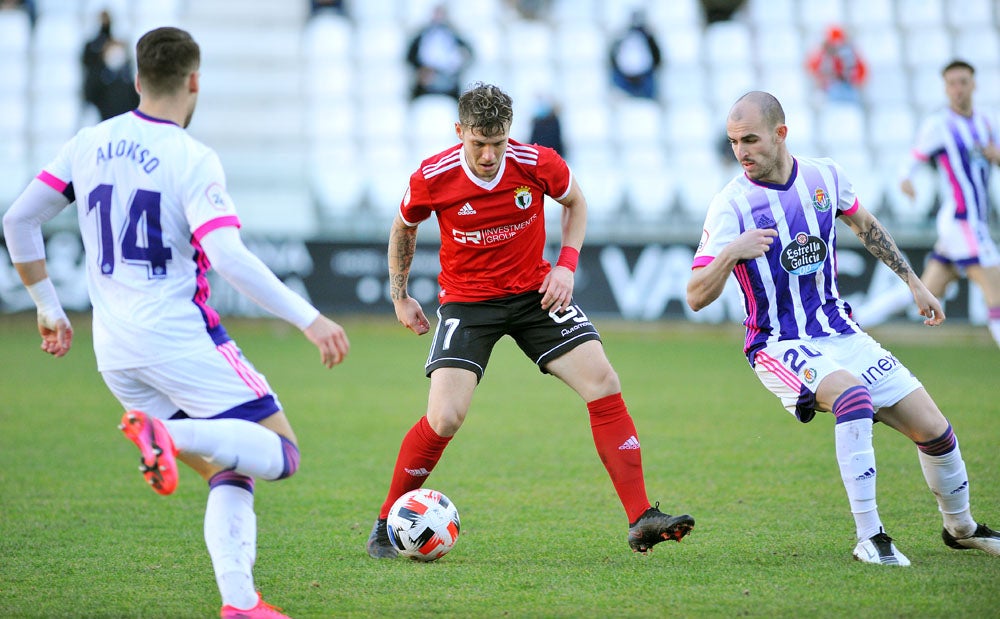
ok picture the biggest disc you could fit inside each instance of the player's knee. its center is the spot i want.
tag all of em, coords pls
(290, 453)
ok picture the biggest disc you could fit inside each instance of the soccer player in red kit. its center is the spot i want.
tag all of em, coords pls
(488, 194)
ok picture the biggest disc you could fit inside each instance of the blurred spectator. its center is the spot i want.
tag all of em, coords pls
(546, 130)
(108, 80)
(530, 9)
(635, 57)
(28, 6)
(438, 56)
(323, 6)
(837, 67)
(719, 10)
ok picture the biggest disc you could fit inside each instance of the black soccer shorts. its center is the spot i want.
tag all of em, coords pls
(466, 332)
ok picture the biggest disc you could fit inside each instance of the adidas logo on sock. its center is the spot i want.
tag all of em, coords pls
(869, 474)
(631, 443)
(467, 210)
(421, 472)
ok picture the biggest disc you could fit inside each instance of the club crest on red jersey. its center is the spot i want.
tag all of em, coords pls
(522, 197)
(821, 200)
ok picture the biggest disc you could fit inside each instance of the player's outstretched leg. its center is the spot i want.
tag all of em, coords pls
(262, 610)
(983, 538)
(653, 526)
(157, 463)
(379, 546)
(880, 550)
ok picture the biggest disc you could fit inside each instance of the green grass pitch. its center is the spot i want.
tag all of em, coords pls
(543, 534)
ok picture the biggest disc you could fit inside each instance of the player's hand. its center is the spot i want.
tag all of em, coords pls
(557, 289)
(906, 186)
(928, 305)
(411, 315)
(753, 244)
(330, 338)
(57, 334)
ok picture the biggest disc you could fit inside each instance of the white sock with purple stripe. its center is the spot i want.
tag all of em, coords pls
(243, 446)
(856, 457)
(944, 470)
(231, 537)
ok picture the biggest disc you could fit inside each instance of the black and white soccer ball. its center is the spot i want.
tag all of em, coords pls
(423, 525)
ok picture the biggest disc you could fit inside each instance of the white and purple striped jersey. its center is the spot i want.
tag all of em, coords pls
(954, 143)
(790, 292)
(146, 193)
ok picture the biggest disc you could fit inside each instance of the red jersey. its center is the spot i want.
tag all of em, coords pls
(492, 232)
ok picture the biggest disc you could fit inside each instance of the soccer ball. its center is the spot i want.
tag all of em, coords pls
(423, 525)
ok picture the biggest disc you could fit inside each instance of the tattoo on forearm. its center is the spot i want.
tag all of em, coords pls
(402, 246)
(880, 244)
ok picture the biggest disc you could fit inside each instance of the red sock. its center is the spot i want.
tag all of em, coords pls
(419, 453)
(618, 446)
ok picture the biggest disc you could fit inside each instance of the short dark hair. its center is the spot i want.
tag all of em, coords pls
(164, 58)
(486, 109)
(958, 63)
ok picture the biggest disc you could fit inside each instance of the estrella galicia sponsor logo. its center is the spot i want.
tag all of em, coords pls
(804, 255)
(522, 197)
(821, 200)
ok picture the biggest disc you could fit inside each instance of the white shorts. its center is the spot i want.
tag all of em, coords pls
(962, 243)
(793, 370)
(222, 384)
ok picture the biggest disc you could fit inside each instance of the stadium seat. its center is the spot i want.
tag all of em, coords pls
(382, 12)
(881, 47)
(597, 171)
(971, 13)
(815, 16)
(927, 46)
(638, 122)
(649, 191)
(919, 13)
(337, 181)
(330, 80)
(779, 49)
(802, 131)
(683, 84)
(980, 46)
(927, 89)
(682, 46)
(728, 83)
(874, 14)
(841, 124)
(328, 121)
(691, 124)
(584, 44)
(527, 43)
(700, 175)
(771, 13)
(380, 41)
(15, 33)
(728, 44)
(886, 85)
(677, 14)
(892, 126)
(327, 38)
(575, 11)
(585, 123)
(431, 124)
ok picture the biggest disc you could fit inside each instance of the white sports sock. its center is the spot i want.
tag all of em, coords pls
(995, 330)
(856, 458)
(947, 479)
(231, 537)
(243, 446)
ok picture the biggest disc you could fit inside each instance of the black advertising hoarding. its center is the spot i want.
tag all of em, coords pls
(631, 281)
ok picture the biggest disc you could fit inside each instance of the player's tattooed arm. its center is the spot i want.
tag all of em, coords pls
(880, 244)
(402, 246)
